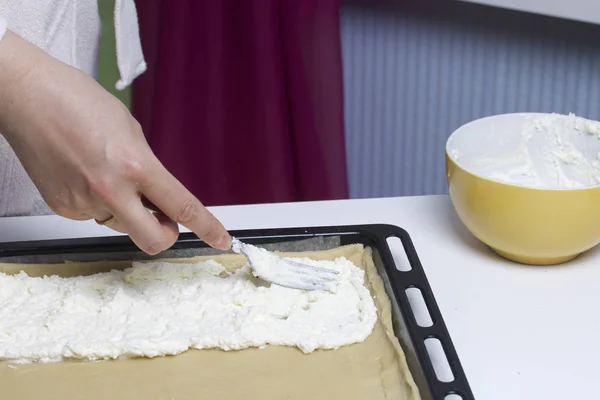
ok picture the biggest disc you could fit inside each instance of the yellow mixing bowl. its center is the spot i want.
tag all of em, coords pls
(523, 224)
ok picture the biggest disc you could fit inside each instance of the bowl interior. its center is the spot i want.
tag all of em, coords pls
(543, 151)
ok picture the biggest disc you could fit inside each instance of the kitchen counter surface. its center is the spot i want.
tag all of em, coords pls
(521, 332)
(577, 10)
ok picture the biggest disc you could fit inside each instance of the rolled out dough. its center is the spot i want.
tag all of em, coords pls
(374, 369)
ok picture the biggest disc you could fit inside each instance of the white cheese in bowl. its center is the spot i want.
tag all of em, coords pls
(544, 151)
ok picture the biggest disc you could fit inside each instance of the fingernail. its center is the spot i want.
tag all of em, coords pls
(224, 243)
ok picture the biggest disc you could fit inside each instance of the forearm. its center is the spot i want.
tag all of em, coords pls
(19, 63)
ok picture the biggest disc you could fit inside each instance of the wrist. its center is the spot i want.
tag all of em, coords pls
(19, 61)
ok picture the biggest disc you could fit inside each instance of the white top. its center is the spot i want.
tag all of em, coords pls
(521, 332)
(69, 31)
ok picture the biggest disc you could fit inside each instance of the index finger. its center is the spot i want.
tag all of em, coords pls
(175, 201)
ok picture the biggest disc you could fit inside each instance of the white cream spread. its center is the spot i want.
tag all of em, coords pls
(554, 152)
(160, 308)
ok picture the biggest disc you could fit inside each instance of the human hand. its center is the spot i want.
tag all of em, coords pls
(88, 156)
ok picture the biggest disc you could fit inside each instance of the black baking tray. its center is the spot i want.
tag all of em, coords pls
(412, 336)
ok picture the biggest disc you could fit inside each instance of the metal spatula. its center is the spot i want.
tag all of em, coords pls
(283, 272)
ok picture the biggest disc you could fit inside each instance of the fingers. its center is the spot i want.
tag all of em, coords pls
(152, 233)
(174, 200)
(170, 229)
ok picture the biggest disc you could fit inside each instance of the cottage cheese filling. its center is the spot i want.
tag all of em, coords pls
(554, 152)
(160, 308)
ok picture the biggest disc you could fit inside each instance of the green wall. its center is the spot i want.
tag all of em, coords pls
(108, 73)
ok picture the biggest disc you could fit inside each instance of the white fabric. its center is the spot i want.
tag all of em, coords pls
(130, 58)
(69, 30)
(3, 27)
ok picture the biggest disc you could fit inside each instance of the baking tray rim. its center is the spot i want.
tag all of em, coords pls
(411, 335)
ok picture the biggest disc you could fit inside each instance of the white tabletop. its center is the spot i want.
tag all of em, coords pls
(521, 332)
(578, 10)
